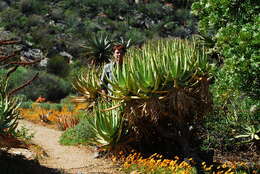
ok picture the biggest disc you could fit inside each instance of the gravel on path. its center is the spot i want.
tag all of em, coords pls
(71, 159)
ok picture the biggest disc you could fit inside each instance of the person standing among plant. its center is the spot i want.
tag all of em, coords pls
(107, 74)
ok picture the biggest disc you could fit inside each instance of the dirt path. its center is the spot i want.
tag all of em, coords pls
(75, 160)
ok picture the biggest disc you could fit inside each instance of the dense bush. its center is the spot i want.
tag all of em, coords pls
(49, 86)
(30, 6)
(77, 135)
(230, 29)
(10, 18)
(230, 120)
(233, 26)
(58, 65)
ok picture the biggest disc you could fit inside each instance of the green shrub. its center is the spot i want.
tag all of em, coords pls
(30, 6)
(9, 18)
(26, 104)
(57, 14)
(59, 66)
(51, 87)
(41, 37)
(230, 120)
(17, 77)
(153, 10)
(71, 19)
(35, 20)
(233, 26)
(46, 85)
(77, 135)
(66, 100)
(25, 134)
(46, 106)
(230, 30)
(136, 36)
(56, 106)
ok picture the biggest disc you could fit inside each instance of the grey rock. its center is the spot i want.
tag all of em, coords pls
(32, 54)
(3, 5)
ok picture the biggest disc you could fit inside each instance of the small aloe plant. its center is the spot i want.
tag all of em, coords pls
(9, 113)
(251, 133)
(98, 49)
(105, 126)
(126, 43)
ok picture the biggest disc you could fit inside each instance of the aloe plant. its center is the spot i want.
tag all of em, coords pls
(155, 69)
(105, 127)
(87, 83)
(251, 134)
(98, 49)
(165, 82)
(160, 63)
(9, 113)
(126, 43)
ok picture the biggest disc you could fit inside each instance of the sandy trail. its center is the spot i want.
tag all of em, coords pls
(72, 159)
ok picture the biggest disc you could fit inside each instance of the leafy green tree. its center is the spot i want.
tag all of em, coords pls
(230, 28)
(233, 26)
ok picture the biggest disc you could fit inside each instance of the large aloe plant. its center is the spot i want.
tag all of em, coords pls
(160, 65)
(165, 83)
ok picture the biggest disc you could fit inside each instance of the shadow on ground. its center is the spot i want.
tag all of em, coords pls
(18, 164)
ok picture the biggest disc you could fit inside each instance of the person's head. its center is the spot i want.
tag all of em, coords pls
(119, 52)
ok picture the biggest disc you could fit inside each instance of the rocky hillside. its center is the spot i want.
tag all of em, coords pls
(63, 25)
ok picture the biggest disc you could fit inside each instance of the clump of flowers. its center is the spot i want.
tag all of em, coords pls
(40, 99)
(155, 164)
(63, 117)
(229, 167)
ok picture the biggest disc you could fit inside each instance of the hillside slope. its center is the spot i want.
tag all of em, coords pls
(63, 25)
